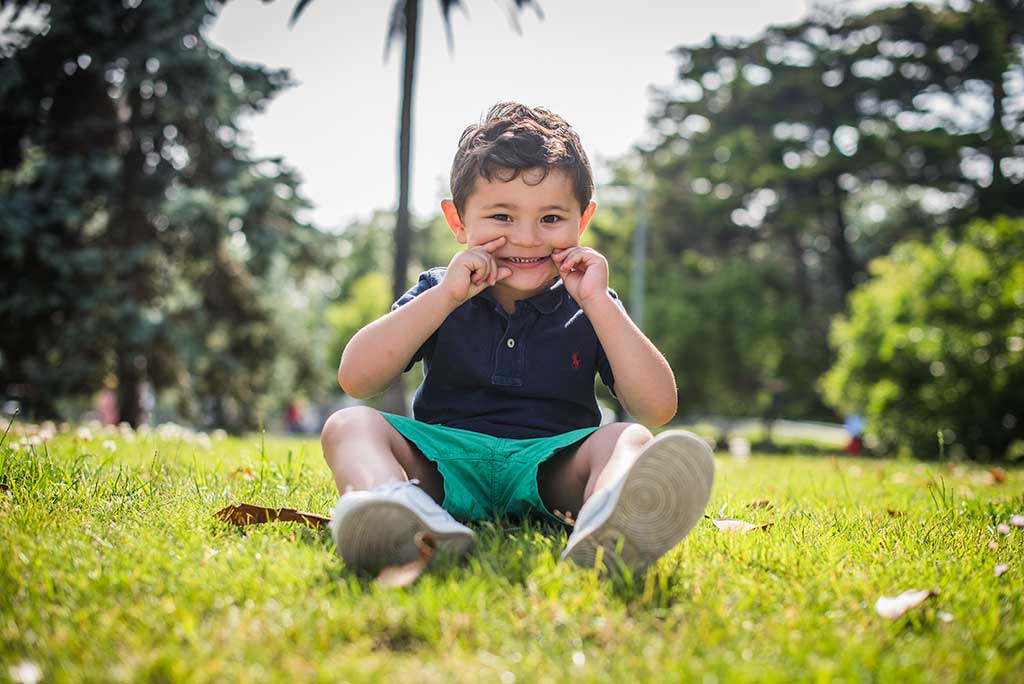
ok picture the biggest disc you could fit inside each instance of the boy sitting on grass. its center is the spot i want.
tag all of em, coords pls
(511, 334)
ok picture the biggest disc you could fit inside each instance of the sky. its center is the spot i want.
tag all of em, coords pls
(593, 62)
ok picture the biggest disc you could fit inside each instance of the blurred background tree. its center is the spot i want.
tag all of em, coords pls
(783, 164)
(139, 237)
(934, 343)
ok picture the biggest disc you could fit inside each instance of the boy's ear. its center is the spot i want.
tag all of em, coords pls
(451, 215)
(588, 214)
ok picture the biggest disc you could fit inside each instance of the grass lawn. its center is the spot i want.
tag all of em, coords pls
(112, 568)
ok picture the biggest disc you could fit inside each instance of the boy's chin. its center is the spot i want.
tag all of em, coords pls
(527, 290)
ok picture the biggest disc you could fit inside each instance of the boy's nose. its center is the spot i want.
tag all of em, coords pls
(525, 235)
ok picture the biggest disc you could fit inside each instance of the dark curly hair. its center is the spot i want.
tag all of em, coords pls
(513, 138)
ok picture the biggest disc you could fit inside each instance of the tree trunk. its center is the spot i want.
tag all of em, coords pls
(395, 397)
(129, 380)
(127, 221)
(847, 262)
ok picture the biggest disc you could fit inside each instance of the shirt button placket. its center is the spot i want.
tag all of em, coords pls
(508, 368)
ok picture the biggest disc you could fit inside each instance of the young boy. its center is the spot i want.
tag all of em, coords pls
(511, 335)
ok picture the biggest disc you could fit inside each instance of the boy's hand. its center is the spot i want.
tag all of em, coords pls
(584, 272)
(473, 270)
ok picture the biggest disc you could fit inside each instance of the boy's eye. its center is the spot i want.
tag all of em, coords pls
(550, 218)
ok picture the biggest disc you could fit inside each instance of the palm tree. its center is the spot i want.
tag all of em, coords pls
(405, 24)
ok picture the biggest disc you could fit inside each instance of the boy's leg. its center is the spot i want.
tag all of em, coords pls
(364, 451)
(640, 495)
(568, 478)
(380, 513)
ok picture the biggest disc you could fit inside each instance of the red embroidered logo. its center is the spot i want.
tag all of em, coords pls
(575, 360)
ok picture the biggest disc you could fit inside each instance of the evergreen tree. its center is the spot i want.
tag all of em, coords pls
(137, 231)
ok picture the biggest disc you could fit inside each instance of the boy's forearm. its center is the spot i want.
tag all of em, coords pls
(378, 354)
(644, 382)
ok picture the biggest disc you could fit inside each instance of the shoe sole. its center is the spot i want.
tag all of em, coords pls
(381, 534)
(659, 501)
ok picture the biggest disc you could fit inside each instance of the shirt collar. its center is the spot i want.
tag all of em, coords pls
(545, 302)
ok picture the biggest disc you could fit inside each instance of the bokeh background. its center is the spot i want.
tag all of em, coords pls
(813, 209)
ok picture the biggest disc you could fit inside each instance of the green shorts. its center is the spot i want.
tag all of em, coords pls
(486, 477)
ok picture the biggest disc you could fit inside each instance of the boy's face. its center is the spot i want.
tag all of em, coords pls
(534, 219)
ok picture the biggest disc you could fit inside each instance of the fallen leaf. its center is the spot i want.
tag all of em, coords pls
(248, 514)
(1017, 520)
(998, 474)
(892, 607)
(1003, 528)
(1001, 568)
(244, 473)
(893, 513)
(760, 503)
(734, 525)
(403, 575)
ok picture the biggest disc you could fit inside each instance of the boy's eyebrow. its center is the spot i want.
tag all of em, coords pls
(507, 205)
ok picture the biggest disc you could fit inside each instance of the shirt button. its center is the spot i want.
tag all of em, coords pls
(511, 343)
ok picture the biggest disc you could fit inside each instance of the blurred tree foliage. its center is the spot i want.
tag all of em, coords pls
(782, 165)
(935, 343)
(140, 242)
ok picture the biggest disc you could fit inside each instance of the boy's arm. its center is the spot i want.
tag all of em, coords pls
(644, 382)
(379, 352)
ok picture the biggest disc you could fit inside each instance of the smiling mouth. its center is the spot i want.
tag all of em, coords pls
(524, 260)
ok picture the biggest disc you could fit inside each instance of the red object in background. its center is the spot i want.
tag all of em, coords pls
(106, 407)
(854, 446)
(293, 417)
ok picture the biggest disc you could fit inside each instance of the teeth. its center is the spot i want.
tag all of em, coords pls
(521, 260)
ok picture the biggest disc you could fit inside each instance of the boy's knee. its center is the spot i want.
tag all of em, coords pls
(632, 431)
(611, 436)
(348, 420)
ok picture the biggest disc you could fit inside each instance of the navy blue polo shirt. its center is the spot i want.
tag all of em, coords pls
(520, 375)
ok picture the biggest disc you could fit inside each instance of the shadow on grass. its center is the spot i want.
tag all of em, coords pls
(508, 551)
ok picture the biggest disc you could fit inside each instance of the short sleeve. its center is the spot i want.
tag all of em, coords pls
(427, 280)
(604, 367)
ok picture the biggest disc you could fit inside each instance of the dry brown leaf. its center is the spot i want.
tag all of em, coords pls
(893, 513)
(998, 474)
(403, 575)
(248, 514)
(1001, 568)
(734, 525)
(244, 473)
(760, 503)
(892, 607)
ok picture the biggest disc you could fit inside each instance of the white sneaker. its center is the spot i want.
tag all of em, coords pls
(650, 509)
(376, 528)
